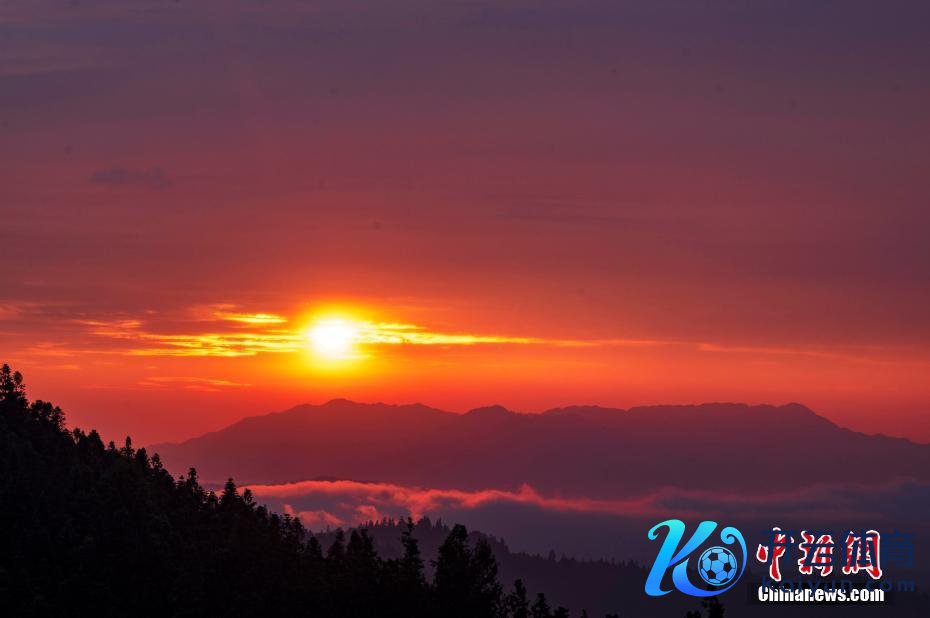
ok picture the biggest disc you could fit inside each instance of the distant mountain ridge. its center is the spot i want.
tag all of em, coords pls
(573, 451)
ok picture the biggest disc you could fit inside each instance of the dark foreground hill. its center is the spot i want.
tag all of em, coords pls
(582, 451)
(88, 529)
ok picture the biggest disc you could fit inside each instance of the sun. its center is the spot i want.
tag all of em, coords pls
(333, 338)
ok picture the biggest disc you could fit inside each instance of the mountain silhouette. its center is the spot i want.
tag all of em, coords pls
(574, 451)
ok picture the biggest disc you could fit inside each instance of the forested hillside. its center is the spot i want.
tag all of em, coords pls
(88, 528)
(599, 586)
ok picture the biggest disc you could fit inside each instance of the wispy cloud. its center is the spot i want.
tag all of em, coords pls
(50, 348)
(223, 330)
(265, 332)
(387, 333)
(211, 385)
(229, 330)
(152, 178)
(251, 318)
(228, 344)
(10, 310)
(855, 353)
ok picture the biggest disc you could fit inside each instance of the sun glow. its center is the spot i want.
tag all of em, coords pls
(333, 338)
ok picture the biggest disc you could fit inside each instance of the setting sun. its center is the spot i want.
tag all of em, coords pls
(333, 338)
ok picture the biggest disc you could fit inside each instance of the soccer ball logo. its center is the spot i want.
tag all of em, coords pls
(717, 566)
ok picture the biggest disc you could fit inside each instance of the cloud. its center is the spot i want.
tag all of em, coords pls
(266, 332)
(838, 352)
(251, 318)
(595, 529)
(314, 519)
(193, 344)
(11, 310)
(151, 178)
(211, 385)
(356, 502)
(225, 330)
(376, 333)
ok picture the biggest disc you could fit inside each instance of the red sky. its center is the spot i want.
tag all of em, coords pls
(565, 203)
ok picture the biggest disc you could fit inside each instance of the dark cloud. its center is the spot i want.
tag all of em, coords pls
(151, 178)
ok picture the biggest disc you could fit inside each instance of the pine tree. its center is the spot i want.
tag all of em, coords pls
(12, 389)
(517, 603)
(412, 562)
(363, 568)
(466, 581)
(540, 608)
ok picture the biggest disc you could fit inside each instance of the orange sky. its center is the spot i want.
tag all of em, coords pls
(551, 204)
(161, 376)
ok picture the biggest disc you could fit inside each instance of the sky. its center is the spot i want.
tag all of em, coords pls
(213, 210)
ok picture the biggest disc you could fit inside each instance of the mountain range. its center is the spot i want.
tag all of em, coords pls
(585, 451)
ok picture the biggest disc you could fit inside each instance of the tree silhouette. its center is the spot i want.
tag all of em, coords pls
(89, 529)
(11, 386)
(517, 603)
(405, 580)
(540, 608)
(92, 528)
(411, 565)
(466, 579)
